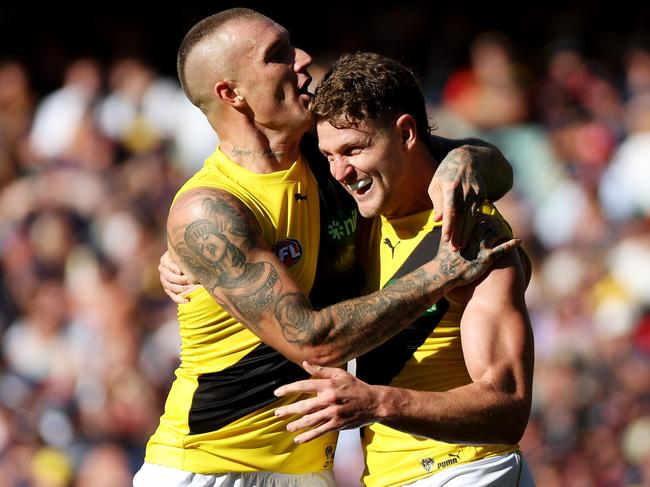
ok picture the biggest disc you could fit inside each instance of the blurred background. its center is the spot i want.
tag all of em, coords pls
(96, 137)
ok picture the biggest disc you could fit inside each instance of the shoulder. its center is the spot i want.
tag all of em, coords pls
(207, 200)
(504, 281)
(215, 205)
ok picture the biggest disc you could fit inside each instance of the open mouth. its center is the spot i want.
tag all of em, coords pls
(360, 186)
(304, 89)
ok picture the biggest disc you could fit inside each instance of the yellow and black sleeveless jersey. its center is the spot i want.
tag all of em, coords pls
(426, 356)
(219, 412)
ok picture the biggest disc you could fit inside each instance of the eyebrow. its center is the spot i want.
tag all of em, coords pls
(346, 145)
(283, 36)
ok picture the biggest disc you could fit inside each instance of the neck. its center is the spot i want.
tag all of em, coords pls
(414, 196)
(257, 149)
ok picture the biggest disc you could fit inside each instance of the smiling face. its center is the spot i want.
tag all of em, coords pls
(371, 164)
(270, 73)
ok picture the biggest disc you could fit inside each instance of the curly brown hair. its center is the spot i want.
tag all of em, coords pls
(367, 87)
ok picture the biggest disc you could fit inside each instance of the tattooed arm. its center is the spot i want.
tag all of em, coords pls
(216, 240)
(470, 171)
(493, 407)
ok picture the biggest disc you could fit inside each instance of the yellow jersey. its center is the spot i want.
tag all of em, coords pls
(426, 356)
(219, 412)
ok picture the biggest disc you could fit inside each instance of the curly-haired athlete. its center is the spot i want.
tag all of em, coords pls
(444, 401)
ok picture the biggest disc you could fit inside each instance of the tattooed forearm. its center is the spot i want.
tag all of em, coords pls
(358, 325)
(299, 322)
(448, 264)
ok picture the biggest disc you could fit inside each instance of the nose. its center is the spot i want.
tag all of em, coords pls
(341, 170)
(302, 61)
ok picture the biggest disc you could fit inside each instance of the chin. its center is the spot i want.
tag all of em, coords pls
(368, 212)
(371, 205)
(304, 121)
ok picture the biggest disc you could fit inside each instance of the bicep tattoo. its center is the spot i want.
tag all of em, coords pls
(214, 249)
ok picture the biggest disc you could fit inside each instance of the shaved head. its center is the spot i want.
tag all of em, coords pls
(204, 53)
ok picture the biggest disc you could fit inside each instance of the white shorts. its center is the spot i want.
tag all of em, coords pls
(151, 475)
(501, 471)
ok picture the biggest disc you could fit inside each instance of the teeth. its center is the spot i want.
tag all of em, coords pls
(361, 183)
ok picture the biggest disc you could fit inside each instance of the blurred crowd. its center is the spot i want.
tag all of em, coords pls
(89, 342)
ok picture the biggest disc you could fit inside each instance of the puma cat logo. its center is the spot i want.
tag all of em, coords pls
(391, 246)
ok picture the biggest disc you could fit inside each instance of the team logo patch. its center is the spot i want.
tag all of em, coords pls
(288, 251)
(329, 457)
(428, 463)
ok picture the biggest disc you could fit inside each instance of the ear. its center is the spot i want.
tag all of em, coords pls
(227, 94)
(408, 132)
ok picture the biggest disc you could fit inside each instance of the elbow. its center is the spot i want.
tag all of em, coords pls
(516, 420)
(324, 355)
(504, 181)
(317, 347)
(508, 180)
(513, 434)
(508, 431)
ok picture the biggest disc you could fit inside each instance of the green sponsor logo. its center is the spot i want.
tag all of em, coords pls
(337, 229)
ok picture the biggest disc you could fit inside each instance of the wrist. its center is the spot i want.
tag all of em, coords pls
(382, 408)
(443, 274)
(390, 403)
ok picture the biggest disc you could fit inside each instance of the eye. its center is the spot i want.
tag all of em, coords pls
(352, 151)
(281, 53)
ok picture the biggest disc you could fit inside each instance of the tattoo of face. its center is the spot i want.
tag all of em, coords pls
(214, 249)
(226, 216)
(214, 256)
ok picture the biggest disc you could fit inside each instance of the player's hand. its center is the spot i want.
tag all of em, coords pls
(176, 284)
(342, 402)
(456, 191)
(489, 240)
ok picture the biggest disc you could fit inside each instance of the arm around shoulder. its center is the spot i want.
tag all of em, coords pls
(491, 165)
(216, 240)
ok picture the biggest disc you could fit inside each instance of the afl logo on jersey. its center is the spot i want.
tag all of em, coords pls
(288, 251)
